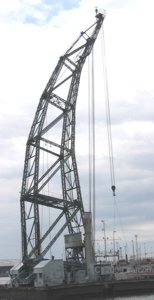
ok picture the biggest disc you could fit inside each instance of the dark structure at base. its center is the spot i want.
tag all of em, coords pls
(79, 292)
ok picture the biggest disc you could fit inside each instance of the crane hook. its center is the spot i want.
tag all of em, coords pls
(113, 189)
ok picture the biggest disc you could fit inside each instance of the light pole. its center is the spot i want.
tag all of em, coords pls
(136, 247)
(114, 246)
(145, 252)
(104, 238)
(121, 253)
(133, 250)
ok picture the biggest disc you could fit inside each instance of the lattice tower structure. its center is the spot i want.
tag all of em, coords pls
(55, 138)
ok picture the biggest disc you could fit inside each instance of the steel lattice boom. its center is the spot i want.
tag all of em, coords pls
(52, 137)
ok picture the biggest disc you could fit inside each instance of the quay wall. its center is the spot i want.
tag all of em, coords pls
(80, 291)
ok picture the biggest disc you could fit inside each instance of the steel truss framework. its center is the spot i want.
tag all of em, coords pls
(59, 96)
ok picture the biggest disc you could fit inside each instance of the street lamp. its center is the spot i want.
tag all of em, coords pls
(114, 246)
(136, 236)
(104, 237)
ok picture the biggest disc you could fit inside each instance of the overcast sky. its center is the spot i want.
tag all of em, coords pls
(34, 33)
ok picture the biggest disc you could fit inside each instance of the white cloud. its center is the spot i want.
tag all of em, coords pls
(9, 6)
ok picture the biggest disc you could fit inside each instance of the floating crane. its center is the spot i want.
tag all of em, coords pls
(52, 134)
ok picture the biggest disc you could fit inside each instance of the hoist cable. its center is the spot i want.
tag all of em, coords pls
(109, 132)
(91, 141)
(108, 116)
(93, 147)
(91, 120)
(89, 135)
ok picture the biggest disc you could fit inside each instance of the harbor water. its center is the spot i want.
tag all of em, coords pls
(147, 297)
